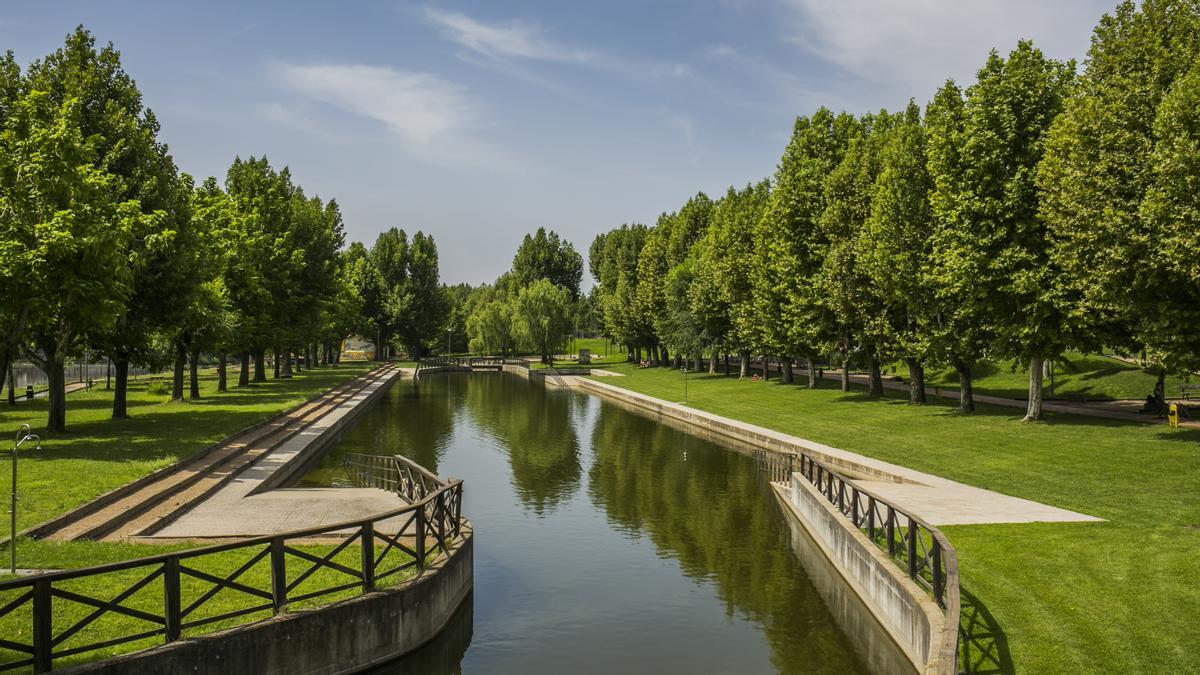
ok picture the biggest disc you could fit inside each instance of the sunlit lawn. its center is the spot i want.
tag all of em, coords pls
(1118, 596)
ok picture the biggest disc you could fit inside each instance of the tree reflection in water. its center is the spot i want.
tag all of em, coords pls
(705, 507)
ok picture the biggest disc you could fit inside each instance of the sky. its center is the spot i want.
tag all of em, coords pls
(478, 122)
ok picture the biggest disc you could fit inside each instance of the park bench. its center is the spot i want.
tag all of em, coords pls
(1185, 390)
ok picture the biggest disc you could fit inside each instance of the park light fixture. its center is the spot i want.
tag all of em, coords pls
(23, 435)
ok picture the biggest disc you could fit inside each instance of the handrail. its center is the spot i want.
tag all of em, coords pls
(919, 548)
(428, 526)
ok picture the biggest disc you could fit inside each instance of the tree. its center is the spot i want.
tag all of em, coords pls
(855, 303)
(545, 256)
(793, 318)
(990, 248)
(67, 229)
(424, 308)
(491, 328)
(1100, 163)
(1171, 213)
(542, 313)
(894, 244)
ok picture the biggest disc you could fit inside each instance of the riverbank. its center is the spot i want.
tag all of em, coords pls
(1078, 597)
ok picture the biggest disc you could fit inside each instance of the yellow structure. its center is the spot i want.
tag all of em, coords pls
(1173, 415)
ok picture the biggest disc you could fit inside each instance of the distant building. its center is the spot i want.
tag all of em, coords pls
(357, 348)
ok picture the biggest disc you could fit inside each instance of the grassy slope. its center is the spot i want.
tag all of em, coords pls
(1076, 377)
(98, 454)
(1118, 596)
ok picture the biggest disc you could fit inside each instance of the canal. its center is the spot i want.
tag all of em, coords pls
(605, 541)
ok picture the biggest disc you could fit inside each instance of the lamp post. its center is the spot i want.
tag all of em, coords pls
(683, 370)
(22, 436)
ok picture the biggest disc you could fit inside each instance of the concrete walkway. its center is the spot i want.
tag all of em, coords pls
(249, 506)
(938, 500)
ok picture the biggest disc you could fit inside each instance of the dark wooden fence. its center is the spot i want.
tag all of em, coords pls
(405, 539)
(920, 549)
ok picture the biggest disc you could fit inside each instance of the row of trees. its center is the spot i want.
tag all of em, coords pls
(533, 306)
(1032, 212)
(107, 247)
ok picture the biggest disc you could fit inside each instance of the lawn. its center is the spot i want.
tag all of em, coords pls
(1077, 377)
(98, 454)
(1117, 596)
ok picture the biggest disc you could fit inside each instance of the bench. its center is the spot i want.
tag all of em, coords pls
(1186, 389)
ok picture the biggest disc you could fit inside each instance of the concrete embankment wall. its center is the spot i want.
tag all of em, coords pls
(339, 638)
(892, 620)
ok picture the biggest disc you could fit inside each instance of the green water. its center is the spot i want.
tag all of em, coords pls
(605, 541)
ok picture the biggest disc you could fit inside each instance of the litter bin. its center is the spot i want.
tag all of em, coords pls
(29, 391)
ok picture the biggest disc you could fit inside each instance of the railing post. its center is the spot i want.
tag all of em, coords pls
(854, 507)
(912, 548)
(891, 530)
(871, 517)
(43, 627)
(278, 575)
(171, 603)
(939, 579)
(367, 543)
(420, 543)
(457, 509)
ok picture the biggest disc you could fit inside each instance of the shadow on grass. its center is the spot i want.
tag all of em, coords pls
(983, 646)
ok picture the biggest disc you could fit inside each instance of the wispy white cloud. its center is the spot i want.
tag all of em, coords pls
(916, 44)
(515, 39)
(417, 107)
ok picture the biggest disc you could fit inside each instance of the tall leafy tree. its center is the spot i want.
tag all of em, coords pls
(894, 245)
(990, 244)
(1100, 165)
(542, 316)
(794, 318)
(544, 255)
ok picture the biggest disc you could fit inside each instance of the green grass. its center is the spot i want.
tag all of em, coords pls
(17, 625)
(1117, 596)
(1077, 377)
(97, 454)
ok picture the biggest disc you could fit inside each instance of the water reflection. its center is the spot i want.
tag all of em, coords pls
(707, 508)
(537, 428)
(605, 542)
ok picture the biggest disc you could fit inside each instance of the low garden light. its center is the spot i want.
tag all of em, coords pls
(23, 435)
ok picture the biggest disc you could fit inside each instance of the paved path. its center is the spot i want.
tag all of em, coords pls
(247, 506)
(1125, 411)
(938, 500)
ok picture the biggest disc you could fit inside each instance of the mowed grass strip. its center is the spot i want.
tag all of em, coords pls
(1117, 596)
(98, 454)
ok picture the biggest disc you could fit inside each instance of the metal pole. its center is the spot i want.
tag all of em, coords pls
(684, 371)
(22, 436)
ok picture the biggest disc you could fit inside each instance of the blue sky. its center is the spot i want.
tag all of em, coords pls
(480, 121)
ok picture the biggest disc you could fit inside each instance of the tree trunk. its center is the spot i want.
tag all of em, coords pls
(108, 374)
(916, 381)
(260, 365)
(299, 358)
(1033, 412)
(12, 385)
(787, 370)
(875, 377)
(766, 368)
(194, 374)
(177, 379)
(56, 420)
(276, 364)
(966, 397)
(812, 371)
(845, 374)
(222, 374)
(5, 362)
(657, 356)
(120, 409)
(727, 365)
(284, 370)
(699, 361)
(712, 363)
(244, 373)
(745, 369)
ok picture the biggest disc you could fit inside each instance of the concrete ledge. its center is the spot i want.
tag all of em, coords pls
(910, 617)
(342, 637)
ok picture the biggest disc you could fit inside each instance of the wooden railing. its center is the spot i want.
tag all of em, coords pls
(405, 539)
(919, 548)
